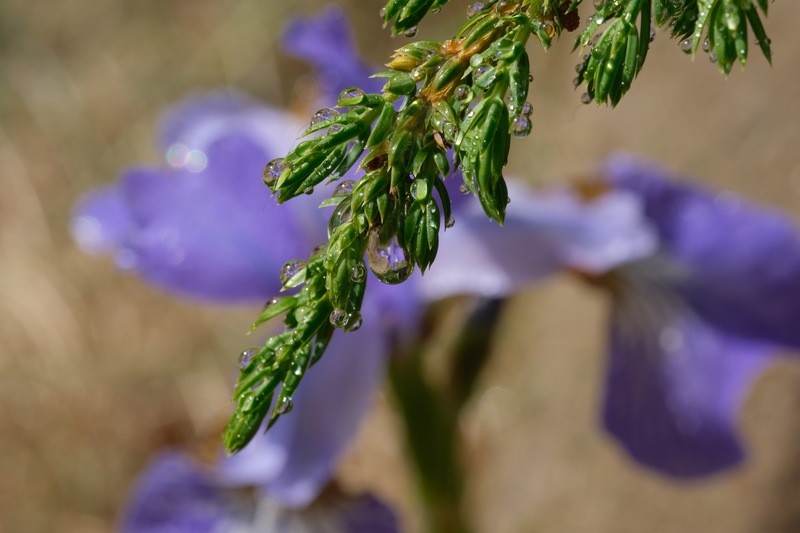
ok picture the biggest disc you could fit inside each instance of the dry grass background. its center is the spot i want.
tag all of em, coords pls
(98, 371)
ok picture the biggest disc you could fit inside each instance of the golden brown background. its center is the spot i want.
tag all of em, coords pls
(98, 370)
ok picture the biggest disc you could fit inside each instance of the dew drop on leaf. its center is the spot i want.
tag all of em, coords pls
(388, 260)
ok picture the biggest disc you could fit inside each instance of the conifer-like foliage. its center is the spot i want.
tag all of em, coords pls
(456, 103)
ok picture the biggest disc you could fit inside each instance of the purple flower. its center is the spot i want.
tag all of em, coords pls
(543, 234)
(179, 495)
(325, 41)
(204, 226)
(695, 324)
(705, 288)
(196, 226)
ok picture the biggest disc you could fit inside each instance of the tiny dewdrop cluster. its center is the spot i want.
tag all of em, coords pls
(446, 108)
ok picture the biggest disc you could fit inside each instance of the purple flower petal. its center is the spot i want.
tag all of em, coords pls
(325, 42)
(675, 385)
(296, 458)
(334, 513)
(102, 221)
(202, 119)
(744, 260)
(213, 234)
(543, 234)
(176, 495)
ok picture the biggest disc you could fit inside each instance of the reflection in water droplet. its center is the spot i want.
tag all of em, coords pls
(273, 171)
(521, 125)
(353, 321)
(338, 318)
(344, 188)
(358, 272)
(285, 406)
(246, 357)
(388, 261)
(291, 269)
(341, 215)
(324, 114)
(474, 9)
(351, 93)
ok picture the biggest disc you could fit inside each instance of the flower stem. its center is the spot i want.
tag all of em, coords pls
(433, 441)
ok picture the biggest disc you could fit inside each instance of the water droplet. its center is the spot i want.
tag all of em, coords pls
(706, 45)
(291, 269)
(463, 189)
(527, 109)
(410, 32)
(549, 27)
(483, 76)
(358, 272)
(586, 98)
(451, 221)
(351, 93)
(285, 405)
(474, 9)
(507, 7)
(418, 74)
(382, 12)
(302, 314)
(652, 34)
(388, 260)
(247, 401)
(344, 188)
(341, 215)
(335, 128)
(272, 302)
(353, 321)
(419, 189)
(686, 45)
(273, 171)
(712, 57)
(576, 81)
(246, 357)
(462, 93)
(338, 318)
(324, 114)
(521, 125)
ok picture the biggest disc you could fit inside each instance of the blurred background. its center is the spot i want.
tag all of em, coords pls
(98, 371)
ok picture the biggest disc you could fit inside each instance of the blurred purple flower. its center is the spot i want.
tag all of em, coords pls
(696, 323)
(326, 42)
(204, 226)
(705, 289)
(179, 495)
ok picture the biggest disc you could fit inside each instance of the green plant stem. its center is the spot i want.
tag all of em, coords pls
(430, 411)
(433, 440)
